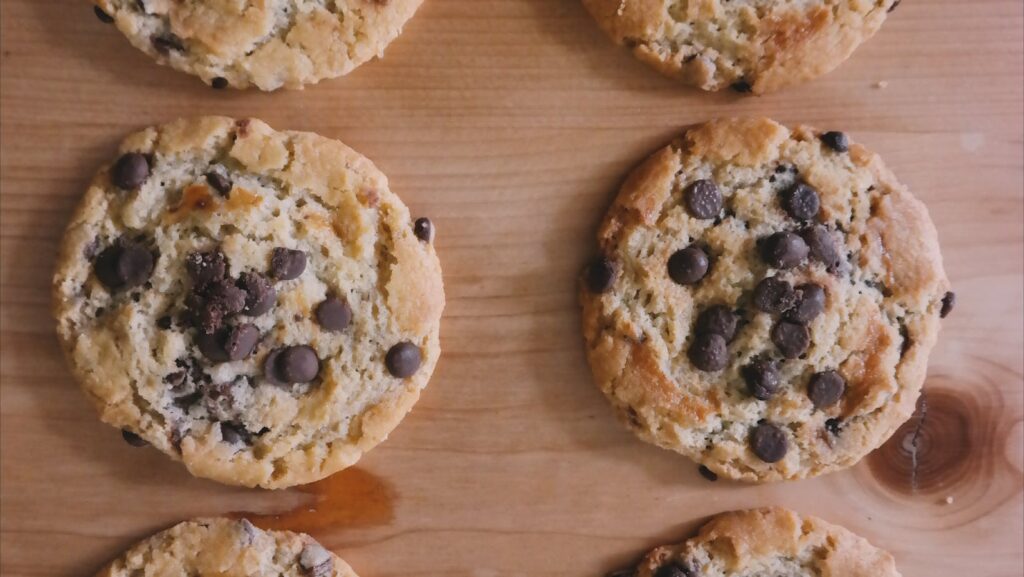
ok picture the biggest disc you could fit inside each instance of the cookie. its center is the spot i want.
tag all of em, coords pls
(227, 547)
(765, 300)
(255, 303)
(268, 44)
(748, 45)
(770, 541)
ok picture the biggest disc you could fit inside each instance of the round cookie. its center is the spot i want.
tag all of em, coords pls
(765, 301)
(228, 548)
(268, 44)
(749, 45)
(255, 303)
(770, 541)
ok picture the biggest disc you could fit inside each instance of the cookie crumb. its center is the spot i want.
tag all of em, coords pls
(948, 500)
(882, 84)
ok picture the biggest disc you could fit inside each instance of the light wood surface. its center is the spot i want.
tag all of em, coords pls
(511, 123)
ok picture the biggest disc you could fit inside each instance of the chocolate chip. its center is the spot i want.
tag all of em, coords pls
(837, 141)
(130, 171)
(103, 16)
(810, 304)
(211, 345)
(834, 427)
(709, 352)
(784, 250)
(423, 229)
(675, 569)
(227, 297)
(769, 442)
(822, 247)
(600, 275)
(825, 389)
(165, 322)
(270, 371)
(948, 302)
(287, 264)
(334, 314)
(234, 433)
(774, 295)
(133, 439)
(205, 267)
(741, 86)
(218, 179)
(894, 5)
(219, 83)
(260, 295)
(124, 265)
(240, 341)
(792, 339)
(316, 561)
(762, 378)
(403, 360)
(707, 473)
(298, 364)
(718, 320)
(703, 200)
(801, 202)
(167, 43)
(689, 265)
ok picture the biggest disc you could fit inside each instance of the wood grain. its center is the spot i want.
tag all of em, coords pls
(511, 123)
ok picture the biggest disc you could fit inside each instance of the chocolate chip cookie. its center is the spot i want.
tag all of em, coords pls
(228, 547)
(753, 46)
(764, 300)
(255, 303)
(268, 44)
(771, 541)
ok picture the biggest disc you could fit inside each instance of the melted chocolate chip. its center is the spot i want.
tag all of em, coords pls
(741, 86)
(769, 442)
(948, 302)
(718, 320)
(103, 16)
(792, 339)
(234, 433)
(762, 378)
(801, 202)
(837, 141)
(124, 265)
(709, 352)
(218, 180)
(423, 229)
(287, 264)
(703, 200)
(689, 265)
(403, 360)
(774, 295)
(707, 473)
(130, 171)
(825, 389)
(822, 247)
(809, 306)
(260, 295)
(168, 43)
(219, 83)
(133, 439)
(784, 250)
(334, 314)
(600, 276)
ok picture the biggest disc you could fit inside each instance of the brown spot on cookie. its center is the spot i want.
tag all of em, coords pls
(195, 198)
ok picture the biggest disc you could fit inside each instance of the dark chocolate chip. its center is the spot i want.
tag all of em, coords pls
(948, 302)
(837, 141)
(792, 339)
(218, 179)
(298, 364)
(810, 304)
(228, 298)
(334, 314)
(205, 268)
(825, 389)
(165, 322)
(769, 442)
(234, 433)
(211, 345)
(423, 229)
(675, 569)
(403, 360)
(124, 265)
(103, 16)
(240, 341)
(894, 5)
(718, 320)
(741, 86)
(801, 202)
(709, 352)
(774, 295)
(219, 83)
(167, 43)
(260, 295)
(689, 265)
(784, 250)
(822, 247)
(270, 371)
(707, 473)
(834, 427)
(703, 200)
(130, 171)
(316, 561)
(133, 439)
(600, 275)
(762, 378)
(287, 264)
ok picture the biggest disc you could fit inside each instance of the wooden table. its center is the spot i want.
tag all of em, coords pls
(512, 123)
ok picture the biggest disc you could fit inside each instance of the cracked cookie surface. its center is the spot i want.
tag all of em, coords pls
(255, 303)
(228, 548)
(749, 45)
(769, 541)
(265, 43)
(765, 300)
